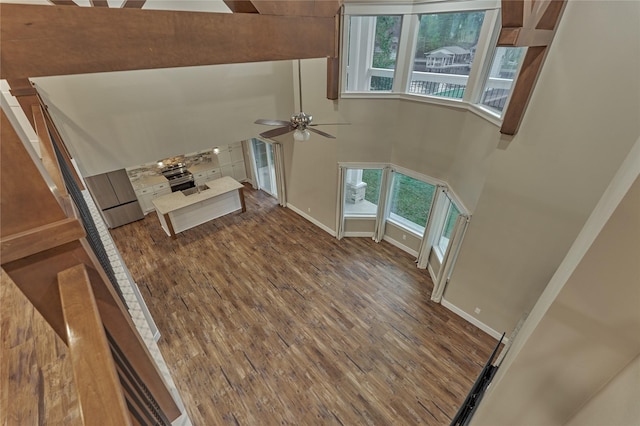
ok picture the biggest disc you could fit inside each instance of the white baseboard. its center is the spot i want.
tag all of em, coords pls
(400, 246)
(482, 326)
(312, 220)
(358, 234)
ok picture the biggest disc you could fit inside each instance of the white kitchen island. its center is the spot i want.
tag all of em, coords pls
(178, 212)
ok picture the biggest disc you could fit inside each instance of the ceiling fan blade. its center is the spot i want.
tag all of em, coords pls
(277, 132)
(321, 133)
(330, 124)
(272, 122)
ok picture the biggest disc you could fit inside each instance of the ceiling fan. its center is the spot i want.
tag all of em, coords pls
(301, 124)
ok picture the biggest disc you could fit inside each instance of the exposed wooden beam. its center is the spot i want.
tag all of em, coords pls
(94, 371)
(63, 2)
(324, 8)
(333, 78)
(99, 3)
(241, 6)
(42, 40)
(523, 89)
(531, 24)
(49, 159)
(133, 4)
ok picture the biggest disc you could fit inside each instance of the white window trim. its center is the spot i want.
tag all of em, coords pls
(402, 74)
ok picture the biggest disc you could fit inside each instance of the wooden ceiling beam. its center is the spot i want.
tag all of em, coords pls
(241, 6)
(99, 3)
(62, 3)
(43, 40)
(531, 24)
(326, 8)
(133, 4)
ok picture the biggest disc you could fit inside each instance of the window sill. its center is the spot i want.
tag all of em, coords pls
(476, 109)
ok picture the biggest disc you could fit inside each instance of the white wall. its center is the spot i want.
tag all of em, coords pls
(616, 403)
(120, 119)
(581, 122)
(584, 329)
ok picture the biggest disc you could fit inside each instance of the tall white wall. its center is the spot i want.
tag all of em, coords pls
(581, 122)
(119, 119)
(616, 403)
(584, 329)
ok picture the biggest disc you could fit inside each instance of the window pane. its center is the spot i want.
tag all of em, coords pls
(504, 67)
(263, 156)
(372, 52)
(447, 229)
(444, 53)
(362, 191)
(410, 202)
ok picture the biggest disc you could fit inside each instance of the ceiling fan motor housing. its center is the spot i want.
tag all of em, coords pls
(301, 120)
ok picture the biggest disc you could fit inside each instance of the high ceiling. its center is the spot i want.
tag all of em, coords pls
(59, 37)
(216, 6)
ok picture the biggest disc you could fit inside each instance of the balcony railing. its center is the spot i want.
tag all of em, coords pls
(495, 93)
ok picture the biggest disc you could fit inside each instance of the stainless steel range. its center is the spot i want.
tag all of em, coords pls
(178, 176)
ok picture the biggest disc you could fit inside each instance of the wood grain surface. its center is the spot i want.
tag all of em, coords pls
(267, 319)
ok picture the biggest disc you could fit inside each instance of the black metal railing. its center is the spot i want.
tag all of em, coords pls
(93, 236)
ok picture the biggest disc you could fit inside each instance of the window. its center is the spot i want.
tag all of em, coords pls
(362, 192)
(443, 240)
(264, 166)
(410, 202)
(444, 53)
(372, 52)
(499, 82)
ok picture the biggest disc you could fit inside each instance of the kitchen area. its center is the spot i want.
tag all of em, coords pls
(197, 181)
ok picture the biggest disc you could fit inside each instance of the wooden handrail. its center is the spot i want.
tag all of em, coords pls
(99, 390)
(32, 211)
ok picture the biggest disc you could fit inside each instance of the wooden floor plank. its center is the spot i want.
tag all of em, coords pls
(267, 319)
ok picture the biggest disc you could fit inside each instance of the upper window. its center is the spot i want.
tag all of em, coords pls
(445, 50)
(499, 82)
(372, 52)
(410, 202)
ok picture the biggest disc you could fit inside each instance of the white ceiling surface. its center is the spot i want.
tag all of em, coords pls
(216, 6)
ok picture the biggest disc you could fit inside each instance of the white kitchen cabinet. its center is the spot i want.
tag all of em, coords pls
(231, 160)
(204, 176)
(238, 171)
(224, 156)
(146, 194)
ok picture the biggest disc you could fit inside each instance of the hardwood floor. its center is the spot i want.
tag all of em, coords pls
(267, 319)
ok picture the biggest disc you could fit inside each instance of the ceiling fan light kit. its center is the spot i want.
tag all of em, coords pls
(301, 135)
(300, 124)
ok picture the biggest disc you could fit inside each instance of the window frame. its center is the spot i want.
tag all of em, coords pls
(352, 166)
(399, 221)
(485, 52)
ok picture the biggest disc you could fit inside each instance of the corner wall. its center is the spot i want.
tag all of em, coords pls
(580, 124)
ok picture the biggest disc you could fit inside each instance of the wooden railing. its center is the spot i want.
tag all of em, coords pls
(44, 250)
(101, 398)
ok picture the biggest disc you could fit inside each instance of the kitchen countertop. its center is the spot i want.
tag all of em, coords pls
(149, 180)
(177, 200)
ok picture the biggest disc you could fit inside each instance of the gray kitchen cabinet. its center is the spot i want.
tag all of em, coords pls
(115, 197)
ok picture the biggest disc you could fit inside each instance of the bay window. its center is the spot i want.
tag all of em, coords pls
(442, 52)
(410, 202)
(499, 82)
(372, 51)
